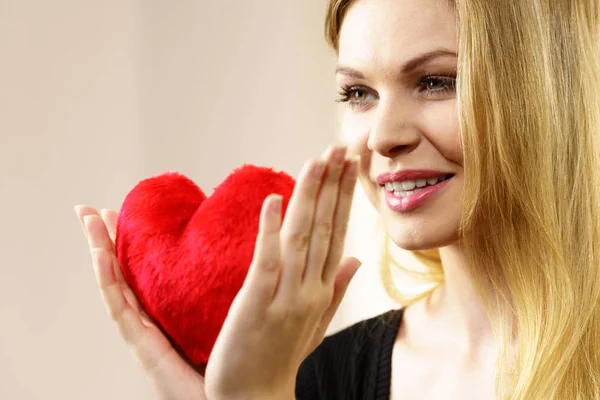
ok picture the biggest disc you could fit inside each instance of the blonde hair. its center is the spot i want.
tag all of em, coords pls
(529, 95)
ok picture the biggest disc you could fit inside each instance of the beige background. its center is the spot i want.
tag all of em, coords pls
(96, 95)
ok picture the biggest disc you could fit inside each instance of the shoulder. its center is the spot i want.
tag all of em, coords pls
(339, 367)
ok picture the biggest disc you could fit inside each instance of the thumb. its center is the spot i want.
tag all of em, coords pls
(346, 271)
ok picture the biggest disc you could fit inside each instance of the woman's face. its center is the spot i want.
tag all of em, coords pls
(396, 71)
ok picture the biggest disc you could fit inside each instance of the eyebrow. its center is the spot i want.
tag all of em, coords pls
(406, 68)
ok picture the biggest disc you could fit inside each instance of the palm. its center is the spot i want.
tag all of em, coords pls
(169, 373)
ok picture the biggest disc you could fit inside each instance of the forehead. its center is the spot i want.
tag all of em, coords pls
(388, 32)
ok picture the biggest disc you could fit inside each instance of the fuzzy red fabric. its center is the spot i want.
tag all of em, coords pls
(185, 256)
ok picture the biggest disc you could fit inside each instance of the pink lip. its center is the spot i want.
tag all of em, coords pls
(408, 175)
(413, 201)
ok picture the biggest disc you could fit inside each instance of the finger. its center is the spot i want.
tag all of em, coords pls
(110, 220)
(265, 269)
(324, 217)
(145, 339)
(340, 224)
(128, 320)
(82, 211)
(347, 270)
(135, 304)
(296, 227)
(98, 237)
(97, 234)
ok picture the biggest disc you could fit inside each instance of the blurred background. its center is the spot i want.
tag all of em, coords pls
(97, 95)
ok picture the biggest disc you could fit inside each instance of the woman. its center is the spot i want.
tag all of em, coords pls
(478, 128)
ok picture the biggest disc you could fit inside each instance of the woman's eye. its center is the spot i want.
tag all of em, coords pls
(436, 84)
(356, 97)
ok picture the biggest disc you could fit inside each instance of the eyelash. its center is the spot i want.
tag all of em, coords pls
(449, 82)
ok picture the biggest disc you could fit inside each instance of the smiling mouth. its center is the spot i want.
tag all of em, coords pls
(409, 187)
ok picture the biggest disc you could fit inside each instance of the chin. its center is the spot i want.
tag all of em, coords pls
(433, 225)
(406, 239)
(428, 229)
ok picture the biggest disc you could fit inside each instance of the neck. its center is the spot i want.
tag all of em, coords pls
(456, 309)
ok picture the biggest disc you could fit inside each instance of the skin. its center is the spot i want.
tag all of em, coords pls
(396, 119)
(294, 286)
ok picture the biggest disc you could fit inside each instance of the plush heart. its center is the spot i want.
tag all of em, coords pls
(185, 256)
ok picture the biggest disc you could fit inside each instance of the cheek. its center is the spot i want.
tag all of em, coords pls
(440, 125)
(355, 130)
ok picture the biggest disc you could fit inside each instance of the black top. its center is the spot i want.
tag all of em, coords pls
(352, 364)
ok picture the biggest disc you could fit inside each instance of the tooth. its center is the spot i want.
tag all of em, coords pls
(408, 185)
(417, 190)
(421, 182)
(389, 186)
(398, 186)
(400, 193)
(432, 181)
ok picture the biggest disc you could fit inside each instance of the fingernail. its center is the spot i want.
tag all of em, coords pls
(353, 164)
(276, 204)
(319, 169)
(339, 155)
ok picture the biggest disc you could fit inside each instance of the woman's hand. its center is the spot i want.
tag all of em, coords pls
(293, 289)
(172, 377)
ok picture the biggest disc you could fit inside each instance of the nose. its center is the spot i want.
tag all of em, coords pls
(394, 130)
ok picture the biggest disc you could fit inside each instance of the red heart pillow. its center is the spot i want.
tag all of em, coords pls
(185, 256)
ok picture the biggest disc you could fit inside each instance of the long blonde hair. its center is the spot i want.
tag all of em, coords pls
(529, 98)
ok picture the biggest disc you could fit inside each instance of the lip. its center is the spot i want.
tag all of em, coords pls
(415, 200)
(409, 174)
